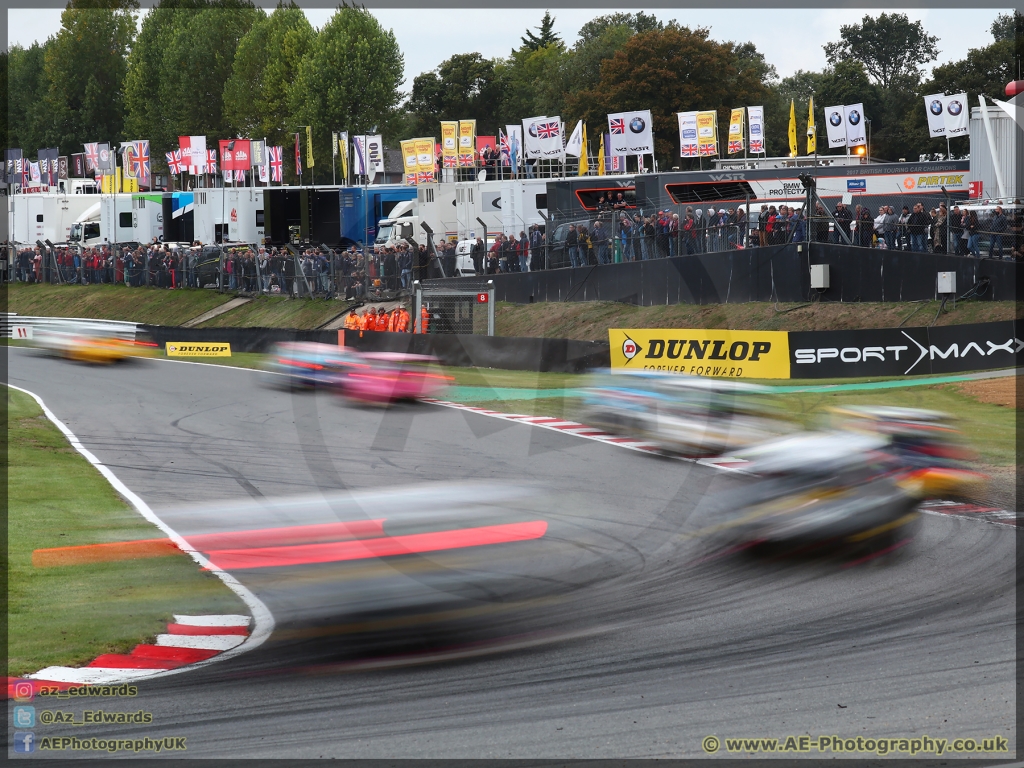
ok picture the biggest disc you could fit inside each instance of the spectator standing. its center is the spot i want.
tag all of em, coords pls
(524, 252)
(600, 240)
(997, 227)
(845, 219)
(477, 253)
(571, 242)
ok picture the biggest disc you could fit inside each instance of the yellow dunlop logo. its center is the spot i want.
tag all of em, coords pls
(198, 349)
(700, 352)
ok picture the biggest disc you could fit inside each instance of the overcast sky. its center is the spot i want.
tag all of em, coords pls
(791, 39)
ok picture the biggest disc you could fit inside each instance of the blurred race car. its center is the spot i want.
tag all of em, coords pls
(387, 377)
(688, 415)
(305, 364)
(94, 342)
(937, 460)
(820, 488)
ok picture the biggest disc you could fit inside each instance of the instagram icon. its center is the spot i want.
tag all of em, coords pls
(23, 690)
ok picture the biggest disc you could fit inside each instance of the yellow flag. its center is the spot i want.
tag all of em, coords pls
(812, 137)
(584, 165)
(600, 158)
(450, 142)
(309, 146)
(792, 128)
(343, 150)
(410, 160)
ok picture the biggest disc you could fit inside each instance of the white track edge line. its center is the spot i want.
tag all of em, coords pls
(264, 620)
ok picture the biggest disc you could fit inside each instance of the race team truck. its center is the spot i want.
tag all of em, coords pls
(46, 216)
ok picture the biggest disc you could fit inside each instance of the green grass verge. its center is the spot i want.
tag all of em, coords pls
(155, 306)
(590, 320)
(278, 312)
(69, 615)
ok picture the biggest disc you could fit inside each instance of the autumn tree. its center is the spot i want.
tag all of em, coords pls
(85, 67)
(892, 48)
(670, 71)
(348, 80)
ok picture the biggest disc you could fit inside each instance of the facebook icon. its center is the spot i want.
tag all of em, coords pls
(24, 742)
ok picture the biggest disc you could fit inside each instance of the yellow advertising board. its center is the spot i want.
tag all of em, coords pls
(198, 349)
(736, 131)
(425, 158)
(411, 164)
(707, 133)
(450, 142)
(701, 352)
(467, 142)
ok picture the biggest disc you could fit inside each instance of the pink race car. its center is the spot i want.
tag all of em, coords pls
(386, 377)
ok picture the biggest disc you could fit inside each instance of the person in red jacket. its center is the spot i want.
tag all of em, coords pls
(369, 320)
(382, 320)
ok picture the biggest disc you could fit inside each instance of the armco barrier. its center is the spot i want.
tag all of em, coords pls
(240, 339)
(780, 273)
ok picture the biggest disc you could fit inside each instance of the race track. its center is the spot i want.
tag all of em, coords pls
(674, 644)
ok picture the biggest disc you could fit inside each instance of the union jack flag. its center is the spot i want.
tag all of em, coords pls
(211, 161)
(276, 157)
(466, 160)
(410, 178)
(139, 161)
(756, 146)
(240, 176)
(174, 161)
(92, 156)
(618, 125)
(424, 177)
(506, 149)
(547, 130)
(735, 146)
(709, 149)
(450, 161)
(688, 150)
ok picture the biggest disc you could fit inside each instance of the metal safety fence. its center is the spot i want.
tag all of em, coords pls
(467, 309)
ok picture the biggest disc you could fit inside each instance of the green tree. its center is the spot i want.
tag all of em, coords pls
(27, 88)
(266, 63)
(892, 48)
(531, 83)
(464, 86)
(636, 22)
(348, 80)
(197, 63)
(600, 39)
(85, 66)
(546, 37)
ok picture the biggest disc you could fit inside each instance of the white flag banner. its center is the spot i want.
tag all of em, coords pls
(935, 106)
(856, 132)
(631, 133)
(755, 124)
(687, 134)
(359, 155)
(264, 171)
(956, 114)
(835, 122)
(574, 146)
(531, 136)
(550, 134)
(374, 156)
(515, 143)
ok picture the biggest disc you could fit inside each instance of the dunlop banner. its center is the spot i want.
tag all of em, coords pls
(701, 352)
(198, 349)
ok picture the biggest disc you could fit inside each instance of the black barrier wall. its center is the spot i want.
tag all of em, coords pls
(903, 351)
(513, 353)
(779, 273)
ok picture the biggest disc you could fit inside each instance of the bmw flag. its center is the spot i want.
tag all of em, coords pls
(856, 131)
(935, 107)
(631, 133)
(835, 123)
(956, 115)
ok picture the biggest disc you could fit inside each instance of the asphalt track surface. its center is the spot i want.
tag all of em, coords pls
(678, 643)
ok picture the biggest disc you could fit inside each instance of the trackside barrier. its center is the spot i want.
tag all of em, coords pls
(11, 320)
(818, 354)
